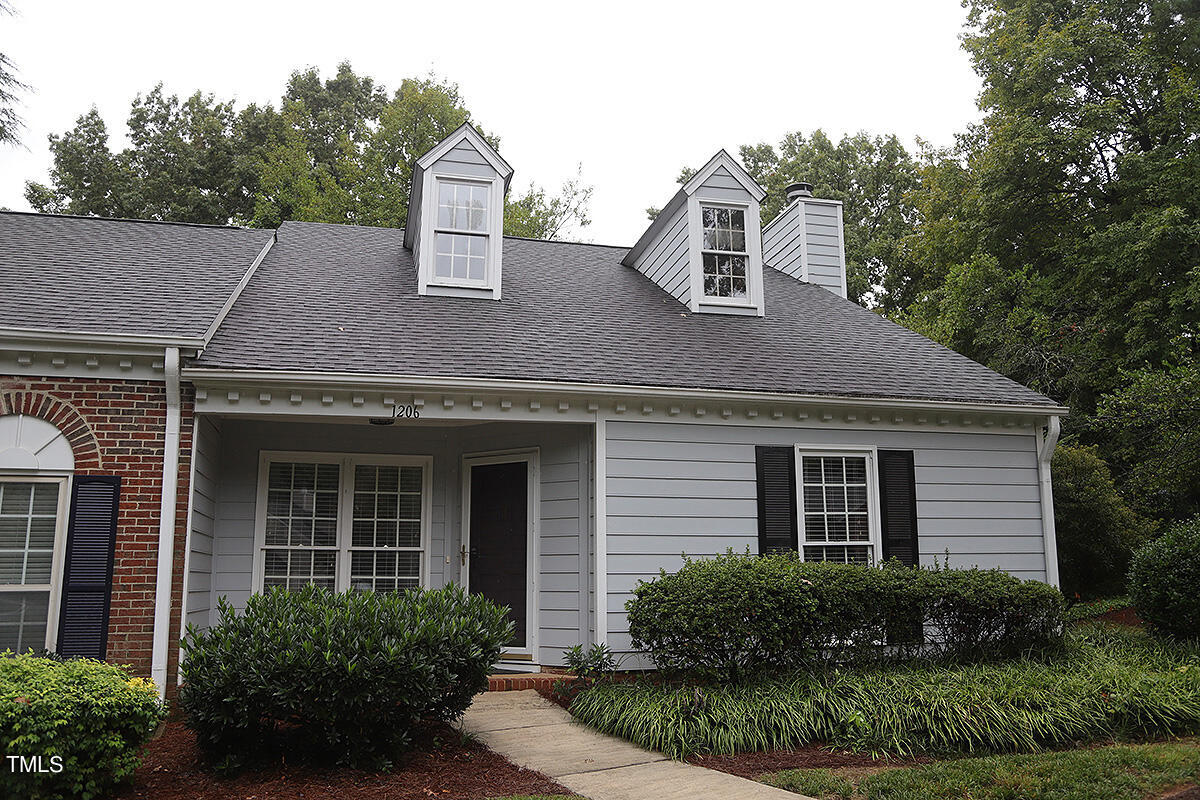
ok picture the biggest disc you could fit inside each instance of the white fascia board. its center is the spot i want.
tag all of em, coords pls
(467, 131)
(237, 290)
(87, 340)
(345, 380)
(723, 159)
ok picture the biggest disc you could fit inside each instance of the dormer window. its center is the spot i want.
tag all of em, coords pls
(461, 232)
(456, 217)
(723, 252)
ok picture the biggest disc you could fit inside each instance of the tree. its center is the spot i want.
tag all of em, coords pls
(1083, 182)
(872, 176)
(10, 121)
(337, 150)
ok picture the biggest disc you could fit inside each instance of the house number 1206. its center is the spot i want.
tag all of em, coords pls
(406, 412)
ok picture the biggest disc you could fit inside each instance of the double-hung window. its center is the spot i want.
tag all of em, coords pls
(343, 522)
(32, 517)
(461, 232)
(723, 252)
(839, 514)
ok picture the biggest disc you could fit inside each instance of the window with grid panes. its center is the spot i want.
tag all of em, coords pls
(385, 546)
(723, 252)
(29, 522)
(301, 541)
(461, 231)
(835, 497)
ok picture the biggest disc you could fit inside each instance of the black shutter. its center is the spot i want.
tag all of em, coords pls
(87, 574)
(776, 470)
(898, 493)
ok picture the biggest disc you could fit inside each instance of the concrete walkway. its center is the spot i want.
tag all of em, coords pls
(536, 734)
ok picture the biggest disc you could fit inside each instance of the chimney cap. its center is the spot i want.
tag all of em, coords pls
(798, 189)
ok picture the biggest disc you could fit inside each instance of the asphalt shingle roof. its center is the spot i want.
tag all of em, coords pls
(341, 298)
(91, 275)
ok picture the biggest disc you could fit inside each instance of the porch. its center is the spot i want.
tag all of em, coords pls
(504, 508)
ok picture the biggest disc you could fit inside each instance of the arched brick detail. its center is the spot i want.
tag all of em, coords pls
(60, 414)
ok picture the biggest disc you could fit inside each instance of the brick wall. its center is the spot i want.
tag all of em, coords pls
(118, 428)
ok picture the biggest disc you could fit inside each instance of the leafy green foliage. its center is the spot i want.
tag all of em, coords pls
(1096, 608)
(738, 615)
(1096, 531)
(1107, 683)
(1119, 772)
(10, 121)
(1077, 192)
(1164, 580)
(91, 715)
(337, 150)
(338, 676)
(1151, 429)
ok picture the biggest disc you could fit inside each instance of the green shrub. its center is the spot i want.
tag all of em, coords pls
(1164, 580)
(337, 676)
(1096, 531)
(1106, 683)
(734, 616)
(89, 718)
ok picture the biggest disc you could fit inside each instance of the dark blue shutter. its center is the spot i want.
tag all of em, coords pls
(776, 473)
(898, 495)
(87, 573)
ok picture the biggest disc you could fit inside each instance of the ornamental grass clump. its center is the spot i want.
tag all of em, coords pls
(76, 725)
(346, 677)
(1105, 684)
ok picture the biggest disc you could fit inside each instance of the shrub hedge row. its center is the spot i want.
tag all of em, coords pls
(1164, 581)
(1106, 683)
(734, 616)
(84, 720)
(346, 677)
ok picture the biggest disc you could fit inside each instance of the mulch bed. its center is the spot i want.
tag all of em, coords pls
(1121, 616)
(173, 769)
(751, 765)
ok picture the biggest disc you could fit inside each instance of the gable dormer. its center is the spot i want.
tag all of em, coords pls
(705, 246)
(456, 216)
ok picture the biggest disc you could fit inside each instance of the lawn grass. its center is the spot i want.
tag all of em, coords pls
(1110, 683)
(1119, 772)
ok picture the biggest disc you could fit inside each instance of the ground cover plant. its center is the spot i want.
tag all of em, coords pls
(1107, 683)
(88, 718)
(1119, 772)
(1096, 608)
(345, 677)
(732, 617)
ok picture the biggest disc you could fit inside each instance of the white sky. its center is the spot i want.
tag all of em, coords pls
(632, 91)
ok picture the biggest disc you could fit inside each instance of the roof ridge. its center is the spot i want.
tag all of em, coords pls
(133, 219)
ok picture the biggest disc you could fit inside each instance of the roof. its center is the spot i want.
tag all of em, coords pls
(101, 276)
(342, 298)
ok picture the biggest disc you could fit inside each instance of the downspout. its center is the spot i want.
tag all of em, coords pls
(600, 581)
(1046, 444)
(166, 524)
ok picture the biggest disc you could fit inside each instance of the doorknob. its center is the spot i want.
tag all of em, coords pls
(463, 555)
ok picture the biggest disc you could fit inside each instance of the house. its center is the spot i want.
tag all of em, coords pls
(545, 422)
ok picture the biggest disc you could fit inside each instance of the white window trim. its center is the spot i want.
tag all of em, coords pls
(874, 522)
(532, 457)
(426, 276)
(345, 516)
(754, 260)
(60, 548)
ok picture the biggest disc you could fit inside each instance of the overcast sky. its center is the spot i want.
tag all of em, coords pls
(632, 91)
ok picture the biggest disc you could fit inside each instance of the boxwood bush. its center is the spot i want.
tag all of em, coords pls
(1164, 581)
(347, 677)
(737, 615)
(85, 719)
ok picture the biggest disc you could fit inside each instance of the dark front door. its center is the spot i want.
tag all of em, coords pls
(500, 538)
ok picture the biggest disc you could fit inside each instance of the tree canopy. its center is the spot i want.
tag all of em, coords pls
(339, 150)
(10, 121)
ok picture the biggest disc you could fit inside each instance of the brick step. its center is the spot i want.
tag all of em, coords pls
(531, 680)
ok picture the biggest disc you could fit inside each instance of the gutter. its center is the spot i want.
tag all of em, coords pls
(350, 380)
(90, 338)
(1046, 444)
(166, 524)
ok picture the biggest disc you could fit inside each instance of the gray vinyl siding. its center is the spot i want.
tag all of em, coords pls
(783, 246)
(206, 465)
(564, 516)
(677, 488)
(665, 260)
(825, 267)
